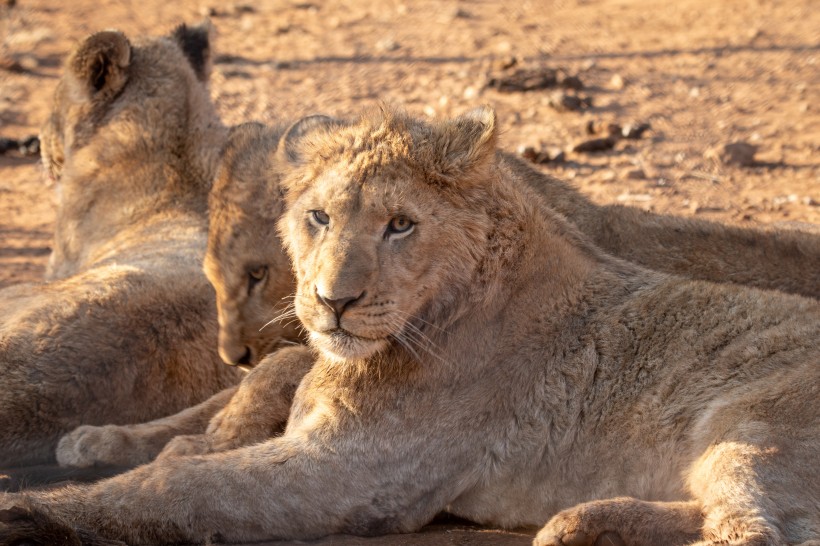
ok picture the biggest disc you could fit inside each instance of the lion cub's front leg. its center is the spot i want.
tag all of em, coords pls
(257, 411)
(131, 445)
(621, 521)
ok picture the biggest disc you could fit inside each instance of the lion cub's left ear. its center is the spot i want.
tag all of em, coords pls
(466, 143)
(195, 42)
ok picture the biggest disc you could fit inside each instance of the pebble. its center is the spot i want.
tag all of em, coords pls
(29, 147)
(617, 82)
(7, 144)
(565, 102)
(572, 82)
(634, 131)
(735, 153)
(524, 79)
(595, 145)
(387, 44)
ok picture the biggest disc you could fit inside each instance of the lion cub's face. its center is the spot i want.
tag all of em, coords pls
(377, 227)
(245, 261)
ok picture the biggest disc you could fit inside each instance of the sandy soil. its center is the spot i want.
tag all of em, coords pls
(702, 73)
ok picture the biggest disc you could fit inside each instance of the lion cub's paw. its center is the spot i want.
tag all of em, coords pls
(89, 445)
(190, 444)
(577, 527)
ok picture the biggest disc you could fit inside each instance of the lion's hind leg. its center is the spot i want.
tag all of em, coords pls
(624, 520)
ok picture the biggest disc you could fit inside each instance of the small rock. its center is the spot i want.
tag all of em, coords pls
(572, 82)
(524, 80)
(565, 102)
(506, 63)
(595, 145)
(808, 201)
(387, 44)
(29, 63)
(210, 11)
(617, 82)
(596, 127)
(636, 174)
(242, 8)
(557, 155)
(11, 65)
(30, 146)
(7, 144)
(735, 153)
(551, 155)
(634, 131)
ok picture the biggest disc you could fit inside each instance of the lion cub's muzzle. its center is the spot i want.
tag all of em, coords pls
(339, 304)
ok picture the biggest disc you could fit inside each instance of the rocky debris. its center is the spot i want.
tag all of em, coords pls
(572, 82)
(7, 144)
(738, 153)
(541, 157)
(631, 131)
(387, 45)
(617, 82)
(569, 102)
(595, 145)
(635, 174)
(597, 127)
(525, 79)
(28, 147)
(11, 65)
(634, 131)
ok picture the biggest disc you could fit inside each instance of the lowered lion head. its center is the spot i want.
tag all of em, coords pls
(245, 260)
(382, 229)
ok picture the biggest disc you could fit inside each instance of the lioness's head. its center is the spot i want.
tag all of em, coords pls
(245, 261)
(136, 97)
(382, 225)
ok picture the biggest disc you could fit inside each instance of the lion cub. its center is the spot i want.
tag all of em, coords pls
(124, 329)
(476, 353)
(250, 272)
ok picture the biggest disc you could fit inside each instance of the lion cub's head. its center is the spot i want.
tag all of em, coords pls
(383, 225)
(245, 261)
(139, 94)
(132, 135)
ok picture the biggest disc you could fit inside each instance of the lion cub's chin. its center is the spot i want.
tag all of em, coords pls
(340, 346)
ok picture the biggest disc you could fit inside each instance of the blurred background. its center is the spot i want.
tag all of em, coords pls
(703, 108)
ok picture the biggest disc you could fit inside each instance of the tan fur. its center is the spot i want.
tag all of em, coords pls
(247, 195)
(253, 320)
(123, 331)
(495, 364)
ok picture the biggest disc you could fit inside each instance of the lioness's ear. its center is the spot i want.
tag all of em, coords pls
(291, 149)
(98, 68)
(195, 42)
(466, 143)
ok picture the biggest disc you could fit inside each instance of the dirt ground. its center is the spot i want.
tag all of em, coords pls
(701, 73)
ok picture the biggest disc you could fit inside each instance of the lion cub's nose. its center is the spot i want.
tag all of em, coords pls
(338, 305)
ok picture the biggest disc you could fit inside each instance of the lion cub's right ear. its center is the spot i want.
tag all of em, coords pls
(98, 68)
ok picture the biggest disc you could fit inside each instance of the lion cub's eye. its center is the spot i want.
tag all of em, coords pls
(256, 275)
(319, 217)
(400, 225)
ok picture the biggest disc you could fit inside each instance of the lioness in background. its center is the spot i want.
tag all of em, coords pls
(250, 272)
(124, 331)
(477, 354)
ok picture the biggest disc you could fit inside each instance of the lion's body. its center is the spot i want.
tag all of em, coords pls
(477, 354)
(123, 331)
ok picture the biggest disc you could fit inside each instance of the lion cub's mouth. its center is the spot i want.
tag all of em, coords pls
(341, 344)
